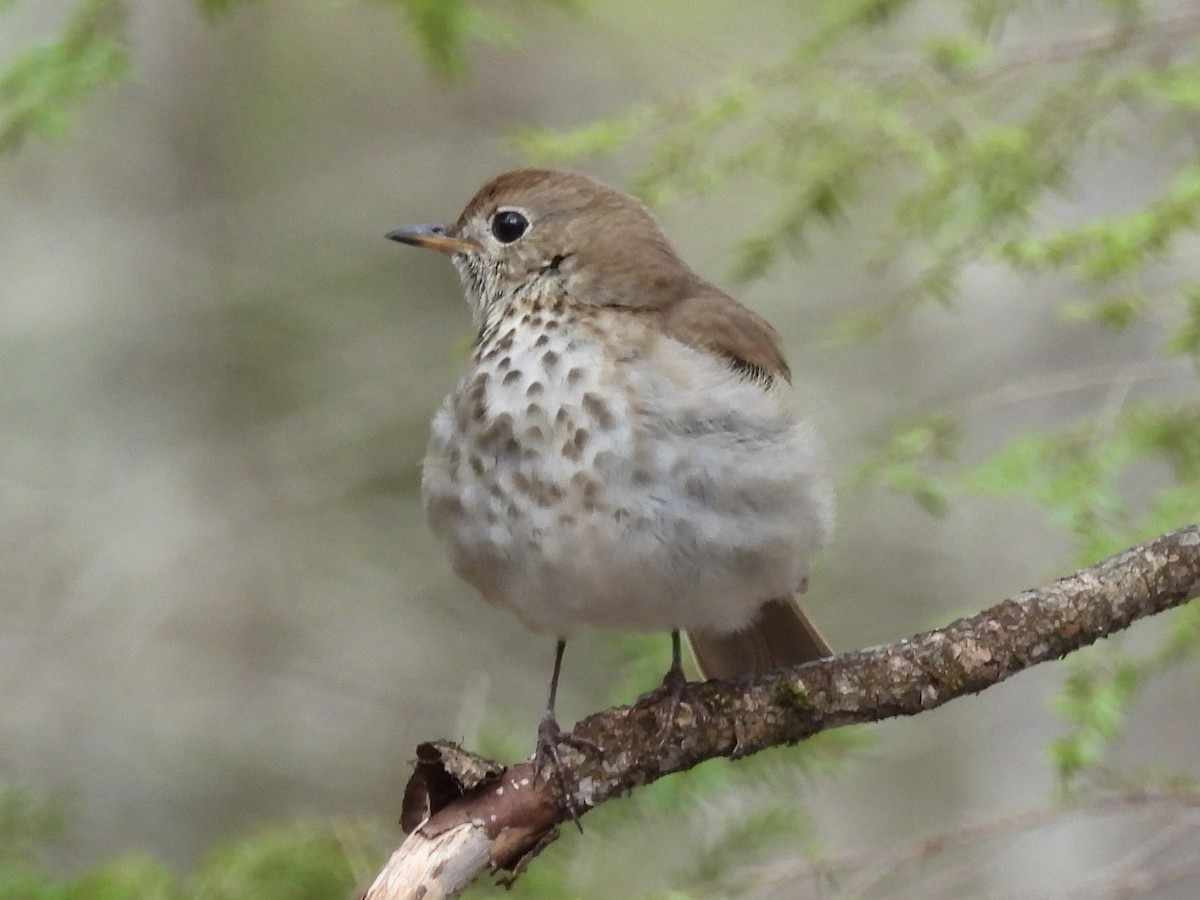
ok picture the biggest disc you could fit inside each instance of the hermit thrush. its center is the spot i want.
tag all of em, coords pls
(622, 451)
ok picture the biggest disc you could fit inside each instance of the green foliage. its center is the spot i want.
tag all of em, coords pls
(1095, 700)
(1117, 312)
(1101, 250)
(38, 90)
(134, 877)
(300, 861)
(1185, 339)
(1077, 476)
(605, 136)
(910, 459)
(1101, 688)
(1080, 475)
(1072, 475)
(442, 29)
(965, 155)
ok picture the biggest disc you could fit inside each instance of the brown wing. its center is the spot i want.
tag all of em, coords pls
(717, 322)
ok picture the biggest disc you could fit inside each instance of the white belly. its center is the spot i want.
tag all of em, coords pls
(648, 494)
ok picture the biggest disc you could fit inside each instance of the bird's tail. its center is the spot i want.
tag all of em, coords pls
(782, 635)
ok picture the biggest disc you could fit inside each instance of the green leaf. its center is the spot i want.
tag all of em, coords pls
(443, 28)
(39, 89)
(1096, 699)
(549, 147)
(955, 54)
(1176, 84)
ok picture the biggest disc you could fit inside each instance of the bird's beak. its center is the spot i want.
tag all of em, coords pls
(433, 237)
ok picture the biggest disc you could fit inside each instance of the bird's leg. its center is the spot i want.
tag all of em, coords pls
(675, 679)
(674, 687)
(550, 735)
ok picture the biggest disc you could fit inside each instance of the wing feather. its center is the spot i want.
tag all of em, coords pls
(715, 321)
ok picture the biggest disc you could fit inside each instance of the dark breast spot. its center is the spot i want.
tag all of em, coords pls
(497, 432)
(588, 487)
(572, 448)
(599, 410)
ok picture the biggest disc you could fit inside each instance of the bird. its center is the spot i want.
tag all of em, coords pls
(623, 451)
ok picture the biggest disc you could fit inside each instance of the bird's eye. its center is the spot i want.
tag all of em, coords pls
(508, 225)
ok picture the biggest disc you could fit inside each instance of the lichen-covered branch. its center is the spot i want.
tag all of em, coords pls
(465, 814)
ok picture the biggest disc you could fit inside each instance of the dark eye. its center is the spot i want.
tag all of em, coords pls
(508, 225)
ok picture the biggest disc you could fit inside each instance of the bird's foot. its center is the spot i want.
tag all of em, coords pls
(678, 691)
(550, 736)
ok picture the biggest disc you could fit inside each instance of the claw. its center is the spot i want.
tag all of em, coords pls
(550, 736)
(677, 689)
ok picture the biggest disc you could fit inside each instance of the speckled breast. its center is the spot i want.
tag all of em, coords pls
(584, 472)
(526, 453)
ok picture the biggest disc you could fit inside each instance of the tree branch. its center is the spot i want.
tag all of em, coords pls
(465, 814)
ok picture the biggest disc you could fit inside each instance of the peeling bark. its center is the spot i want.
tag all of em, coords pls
(466, 814)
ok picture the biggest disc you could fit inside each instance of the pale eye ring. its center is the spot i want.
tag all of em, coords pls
(509, 225)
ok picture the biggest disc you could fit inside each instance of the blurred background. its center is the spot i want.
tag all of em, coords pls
(219, 603)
